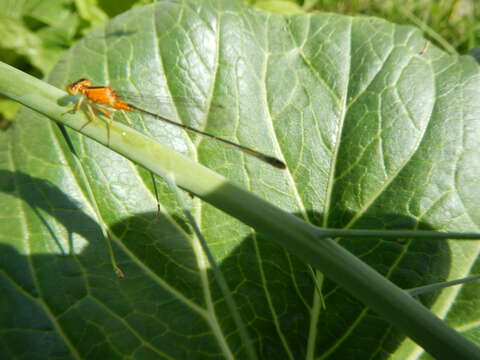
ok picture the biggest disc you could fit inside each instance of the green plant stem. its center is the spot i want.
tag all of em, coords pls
(395, 234)
(428, 30)
(299, 237)
(436, 287)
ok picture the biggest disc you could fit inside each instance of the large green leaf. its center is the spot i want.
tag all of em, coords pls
(377, 129)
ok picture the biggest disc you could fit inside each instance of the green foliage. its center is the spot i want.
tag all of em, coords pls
(377, 129)
(34, 34)
(456, 21)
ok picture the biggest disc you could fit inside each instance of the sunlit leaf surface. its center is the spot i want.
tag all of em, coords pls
(378, 131)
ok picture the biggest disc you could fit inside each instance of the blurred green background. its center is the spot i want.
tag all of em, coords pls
(35, 33)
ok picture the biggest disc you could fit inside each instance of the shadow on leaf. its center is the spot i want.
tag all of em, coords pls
(61, 296)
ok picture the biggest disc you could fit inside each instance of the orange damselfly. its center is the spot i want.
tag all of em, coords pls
(107, 97)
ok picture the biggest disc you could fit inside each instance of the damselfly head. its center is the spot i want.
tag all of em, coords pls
(77, 86)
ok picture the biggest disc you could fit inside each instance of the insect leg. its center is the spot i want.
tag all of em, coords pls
(109, 121)
(91, 116)
(74, 109)
(126, 117)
